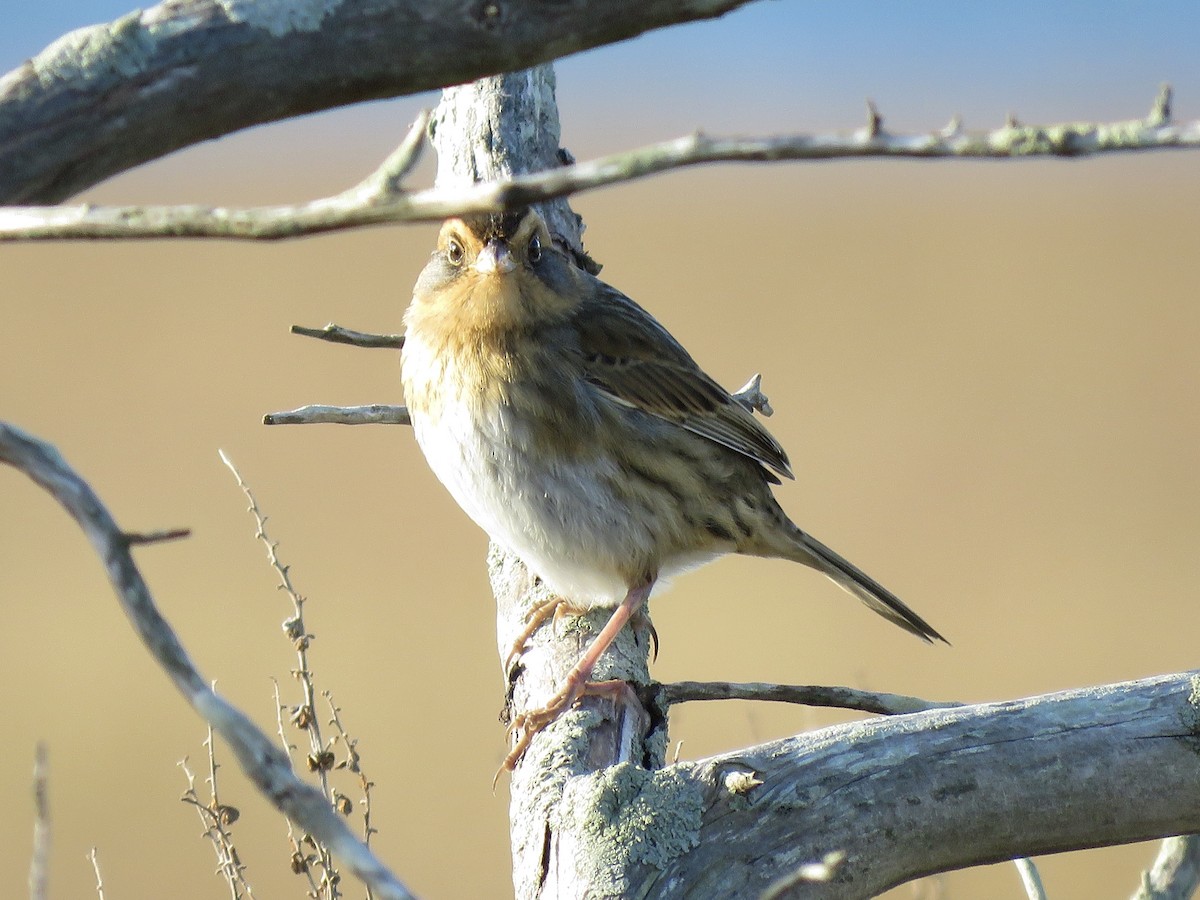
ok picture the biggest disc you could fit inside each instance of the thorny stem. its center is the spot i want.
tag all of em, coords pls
(353, 764)
(304, 717)
(214, 817)
(299, 863)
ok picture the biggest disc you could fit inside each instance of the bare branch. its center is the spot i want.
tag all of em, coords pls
(104, 99)
(750, 395)
(806, 695)
(156, 537)
(352, 763)
(320, 757)
(380, 199)
(805, 874)
(301, 860)
(375, 414)
(1175, 874)
(217, 819)
(383, 414)
(838, 697)
(874, 121)
(95, 860)
(39, 861)
(1031, 879)
(263, 763)
(336, 334)
(908, 796)
(215, 830)
(222, 817)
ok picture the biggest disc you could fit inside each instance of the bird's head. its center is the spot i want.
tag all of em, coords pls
(492, 246)
(503, 267)
(495, 245)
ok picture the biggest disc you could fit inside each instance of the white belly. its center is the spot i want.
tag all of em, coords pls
(559, 519)
(565, 519)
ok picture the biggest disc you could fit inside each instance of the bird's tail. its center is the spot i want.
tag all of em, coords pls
(811, 552)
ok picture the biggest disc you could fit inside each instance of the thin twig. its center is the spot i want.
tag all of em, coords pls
(809, 873)
(750, 396)
(134, 538)
(1175, 873)
(222, 817)
(353, 764)
(39, 861)
(1031, 879)
(305, 716)
(315, 414)
(381, 198)
(301, 862)
(265, 765)
(803, 694)
(216, 818)
(336, 334)
(95, 859)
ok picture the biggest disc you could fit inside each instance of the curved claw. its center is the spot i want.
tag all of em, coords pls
(555, 607)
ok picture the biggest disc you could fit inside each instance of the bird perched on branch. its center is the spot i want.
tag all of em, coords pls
(581, 436)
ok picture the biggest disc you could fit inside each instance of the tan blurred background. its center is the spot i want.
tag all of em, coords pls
(985, 375)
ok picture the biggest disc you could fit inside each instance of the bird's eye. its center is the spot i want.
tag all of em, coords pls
(535, 249)
(454, 251)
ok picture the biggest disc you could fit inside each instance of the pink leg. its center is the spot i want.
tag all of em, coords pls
(578, 682)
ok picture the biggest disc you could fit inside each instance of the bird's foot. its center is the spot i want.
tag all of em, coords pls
(555, 607)
(530, 723)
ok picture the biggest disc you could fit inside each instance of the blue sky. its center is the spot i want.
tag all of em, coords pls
(787, 65)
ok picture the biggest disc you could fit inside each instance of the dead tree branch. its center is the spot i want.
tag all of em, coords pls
(1175, 874)
(381, 198)
(39, 860)
(106, 98)
(901, 797)
(264, 764)
(804, 694)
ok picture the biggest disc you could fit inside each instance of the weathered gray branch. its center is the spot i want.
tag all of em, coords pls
(336, 334)
(103, 99)
(1175, 874)
(901, 797)
(316, 414)
(382, 198)
(750, 394)
(805, 694)
(264, 764)
(39, 859)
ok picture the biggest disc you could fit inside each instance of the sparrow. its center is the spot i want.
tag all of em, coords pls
(583, 438)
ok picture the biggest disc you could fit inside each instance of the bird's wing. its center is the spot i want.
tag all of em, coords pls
(631, 357)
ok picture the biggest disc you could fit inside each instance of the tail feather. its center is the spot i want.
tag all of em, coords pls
(813, 553)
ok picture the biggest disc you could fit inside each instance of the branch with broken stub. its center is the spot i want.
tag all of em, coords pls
(750, 394)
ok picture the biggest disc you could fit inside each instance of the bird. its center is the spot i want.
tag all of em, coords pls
(571, 426)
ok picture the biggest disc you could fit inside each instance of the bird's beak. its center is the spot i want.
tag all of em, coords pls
(495, 258)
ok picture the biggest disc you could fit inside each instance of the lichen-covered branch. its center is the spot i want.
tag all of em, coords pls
(382, 198)
(902, 797)
(264, 764)
(1175, 874)
(106, 98)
